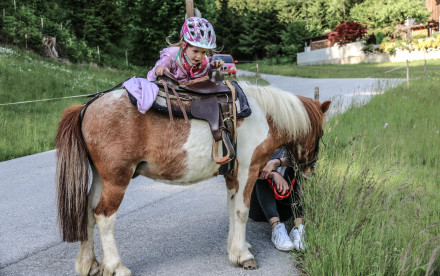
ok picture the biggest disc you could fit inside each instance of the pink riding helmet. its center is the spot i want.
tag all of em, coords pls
(198, 32)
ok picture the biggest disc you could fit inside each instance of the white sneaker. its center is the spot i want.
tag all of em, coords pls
(280, 238)
(297, 235)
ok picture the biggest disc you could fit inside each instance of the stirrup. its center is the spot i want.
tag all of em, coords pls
(230, 153)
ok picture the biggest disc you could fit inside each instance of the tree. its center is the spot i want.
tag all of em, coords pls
(292, 42)
(379, 14)
(261, 36)
(347, 32)
(228, 26)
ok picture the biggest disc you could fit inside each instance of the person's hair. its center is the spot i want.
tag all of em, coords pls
(182, 42)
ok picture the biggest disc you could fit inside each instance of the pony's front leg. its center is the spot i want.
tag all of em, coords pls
(86, 263)
(105, 215)
(239, 250)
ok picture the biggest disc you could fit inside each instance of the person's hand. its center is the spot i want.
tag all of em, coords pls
(264, 174)
(160, 69)
(217, 63)
(280, 182)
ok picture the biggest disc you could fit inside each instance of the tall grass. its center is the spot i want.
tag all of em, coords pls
(374, 206)
(30, 127)
(364, 70)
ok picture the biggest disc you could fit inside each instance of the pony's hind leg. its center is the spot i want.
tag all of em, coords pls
(113, 190)
(86, 263)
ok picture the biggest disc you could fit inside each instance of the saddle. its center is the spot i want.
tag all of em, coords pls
(209, 98)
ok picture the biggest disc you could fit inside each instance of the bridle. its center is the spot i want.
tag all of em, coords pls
(298, 166)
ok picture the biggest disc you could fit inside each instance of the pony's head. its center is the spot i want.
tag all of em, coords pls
(303, 152)
(299, 122)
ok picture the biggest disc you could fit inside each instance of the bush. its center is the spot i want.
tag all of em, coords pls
(368, 49)
(347, 32)
(379, 37)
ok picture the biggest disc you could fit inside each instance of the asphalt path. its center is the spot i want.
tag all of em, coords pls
(161, 229)
(343, 93)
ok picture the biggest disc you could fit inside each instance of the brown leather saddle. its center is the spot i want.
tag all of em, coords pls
(210, 99)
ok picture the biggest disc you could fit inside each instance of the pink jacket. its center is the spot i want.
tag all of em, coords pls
(169, 59)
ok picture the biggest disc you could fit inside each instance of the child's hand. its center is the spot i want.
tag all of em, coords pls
(217, 63)
(160, 69)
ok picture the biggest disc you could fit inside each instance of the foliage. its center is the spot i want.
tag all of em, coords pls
(377, 15)
(379, 37)
(347, 32)
(292, 39)
(401, 32)
(368, 48)
(247, 29)
(261, 35)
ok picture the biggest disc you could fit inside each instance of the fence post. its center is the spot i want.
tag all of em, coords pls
(189, 8)
(15, 6)
(425, 69)
(258, 71)
(99, 57)
(42, 24)
(126, 58)
(407, 73)
(4, 14)
(316, 93)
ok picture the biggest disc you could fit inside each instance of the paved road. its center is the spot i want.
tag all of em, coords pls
(161, 229)
(342, 92)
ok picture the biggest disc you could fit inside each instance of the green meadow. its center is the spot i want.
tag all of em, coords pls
(364, 70)
(28, 128)
(373, 207)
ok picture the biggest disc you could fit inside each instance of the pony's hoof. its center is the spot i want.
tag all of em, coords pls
(94, 269)
(88, 268)
(121, 270)
(250, 264)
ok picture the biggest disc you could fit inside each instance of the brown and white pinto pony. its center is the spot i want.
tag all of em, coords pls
(118, 142)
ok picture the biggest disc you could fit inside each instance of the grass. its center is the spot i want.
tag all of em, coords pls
(29, 128)
(364, 70)
(374, 206)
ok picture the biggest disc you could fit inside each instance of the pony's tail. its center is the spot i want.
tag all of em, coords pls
(72, 176)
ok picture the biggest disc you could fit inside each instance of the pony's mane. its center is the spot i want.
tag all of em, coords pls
(284, 108)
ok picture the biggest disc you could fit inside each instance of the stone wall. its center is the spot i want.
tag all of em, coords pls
(352, 54)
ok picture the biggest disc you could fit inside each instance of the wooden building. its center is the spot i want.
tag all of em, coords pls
(433, 6)
(317, 42)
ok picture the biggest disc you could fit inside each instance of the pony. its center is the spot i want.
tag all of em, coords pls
(115, 142)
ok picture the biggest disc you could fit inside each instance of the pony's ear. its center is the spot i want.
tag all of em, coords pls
(325, 106)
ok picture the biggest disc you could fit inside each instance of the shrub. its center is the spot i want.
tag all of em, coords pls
(347, 32)
(368, 49)
(379, 37)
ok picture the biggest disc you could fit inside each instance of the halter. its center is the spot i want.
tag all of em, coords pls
(297, 166)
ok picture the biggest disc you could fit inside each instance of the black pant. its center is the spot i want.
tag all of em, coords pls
(264, 205)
